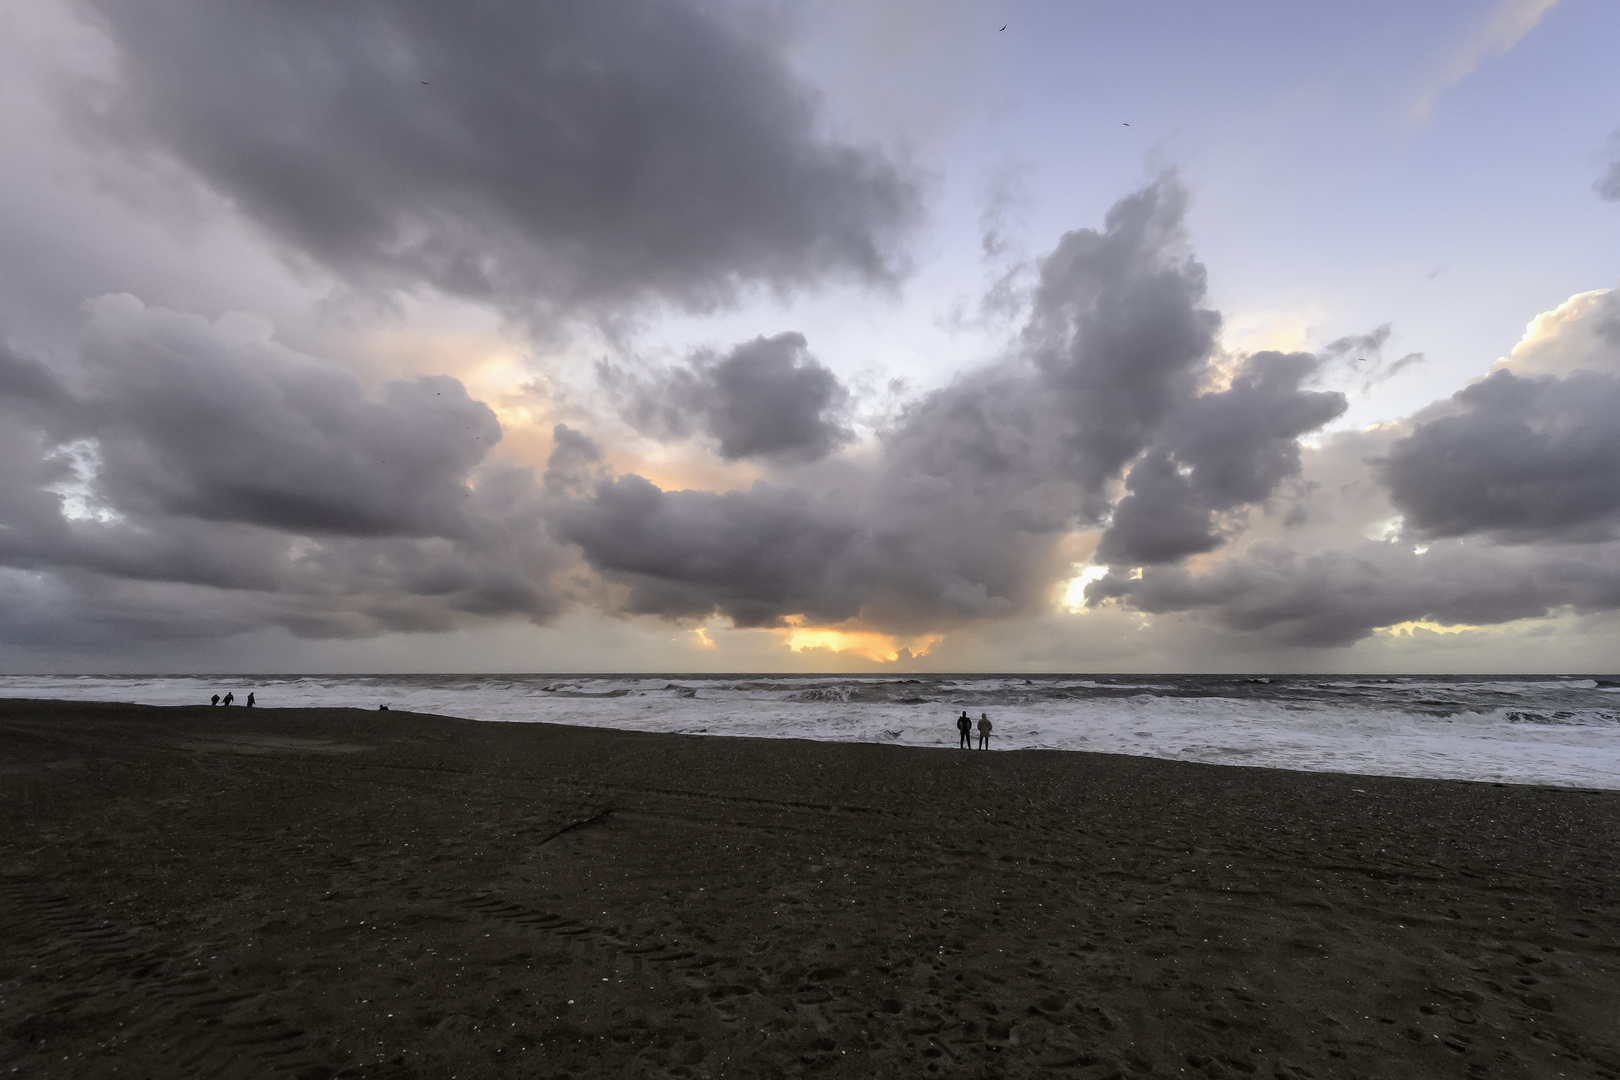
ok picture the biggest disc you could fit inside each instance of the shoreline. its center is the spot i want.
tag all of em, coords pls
(942, 746)
(263, 897)
(1541, 732)
(1471, 760)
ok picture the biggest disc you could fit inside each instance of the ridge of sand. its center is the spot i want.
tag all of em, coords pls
(317, 893)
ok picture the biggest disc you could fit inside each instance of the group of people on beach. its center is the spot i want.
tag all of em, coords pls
(964, 724)
(228, 698)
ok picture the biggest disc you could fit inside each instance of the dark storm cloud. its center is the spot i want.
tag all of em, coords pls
(28, 387)
(960, 516)
(187, 461)
(1512, 484)
(193, 422)
(1337, 597)
(1224, 451)
(194, 466)
(1519, 459)
(1118, 333)
(753, 556)
(536, 155)
(979, 478)
(576, 462)
(767, 398)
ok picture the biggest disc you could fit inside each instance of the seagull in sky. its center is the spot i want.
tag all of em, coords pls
(1003, 27)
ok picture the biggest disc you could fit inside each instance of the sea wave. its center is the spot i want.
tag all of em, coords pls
(1506, 729)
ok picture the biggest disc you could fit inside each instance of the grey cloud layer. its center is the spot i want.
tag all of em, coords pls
(1508, 507)
(1221, 451)
(755, 555)
(1337, 596)
(961, 514)
(262, 436)
(1530, 453)
(196, 477)
(536, 155)
(1519, 459)
(1105, 417)
(189, 460)
(766, 398)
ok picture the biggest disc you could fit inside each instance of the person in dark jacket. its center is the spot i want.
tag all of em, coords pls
(965, 726)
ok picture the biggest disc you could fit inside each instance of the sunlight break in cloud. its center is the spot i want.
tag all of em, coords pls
(878, 648)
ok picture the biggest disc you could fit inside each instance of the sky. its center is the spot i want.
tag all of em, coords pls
(878, 336)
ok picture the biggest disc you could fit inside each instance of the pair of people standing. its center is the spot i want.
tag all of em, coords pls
(964, 724)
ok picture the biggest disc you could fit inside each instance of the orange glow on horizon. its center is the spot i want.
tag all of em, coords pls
(879, 648)
(1412, 627)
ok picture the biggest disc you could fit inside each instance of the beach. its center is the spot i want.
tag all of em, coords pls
(315, 893)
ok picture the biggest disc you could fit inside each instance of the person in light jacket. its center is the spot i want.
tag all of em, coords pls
(984, 730)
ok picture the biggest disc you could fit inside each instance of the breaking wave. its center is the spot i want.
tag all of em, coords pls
(1506, 729)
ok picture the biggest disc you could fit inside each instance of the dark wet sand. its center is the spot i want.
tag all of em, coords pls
(314, 893)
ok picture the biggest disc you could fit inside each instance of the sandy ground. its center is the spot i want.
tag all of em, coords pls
(318, 893)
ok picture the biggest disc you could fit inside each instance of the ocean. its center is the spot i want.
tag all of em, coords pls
(1562, 730)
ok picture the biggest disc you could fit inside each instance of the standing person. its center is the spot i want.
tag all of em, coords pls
(250, 699)
(230, 697)
(215, 700)
(984, 730)
(965, 726)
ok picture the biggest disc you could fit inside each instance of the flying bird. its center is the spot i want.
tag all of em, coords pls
(1123, 122)
(1003, 27)
(426, 83)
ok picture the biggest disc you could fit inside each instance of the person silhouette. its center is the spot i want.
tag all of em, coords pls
(984, 730)
(250, 699)
(230, 697)
(215, 700)
(965, 726)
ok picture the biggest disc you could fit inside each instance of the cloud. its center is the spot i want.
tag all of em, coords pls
(1530, 452)
(575, 463)
(1118, 333)
(192, 477)
(1362, 356)
(1223, 451)
(961, 513)
(217, 421)
(1581, 334)
(1502, 29)
(538, 156)
(190, 472)
(766, 398)
(1608, 185)
(1495, 505)
(1334, 597)
(1520, 459)
(752, 556)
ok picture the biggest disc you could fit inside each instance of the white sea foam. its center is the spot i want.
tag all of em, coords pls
(1507, 730)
